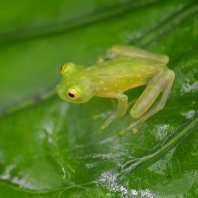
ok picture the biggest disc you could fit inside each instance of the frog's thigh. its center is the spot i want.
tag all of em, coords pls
(162, 83)
(121, 109)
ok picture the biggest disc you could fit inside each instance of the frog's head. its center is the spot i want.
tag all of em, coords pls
(71, 88)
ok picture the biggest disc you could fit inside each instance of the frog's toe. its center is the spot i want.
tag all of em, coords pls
(135, 125)
(102, 115)
(135, 130)
(107, 122)
(103, 127)
(122, 132)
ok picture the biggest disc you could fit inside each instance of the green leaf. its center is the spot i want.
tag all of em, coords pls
(52, 148)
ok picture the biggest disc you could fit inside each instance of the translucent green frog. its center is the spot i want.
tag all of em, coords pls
(121, 69)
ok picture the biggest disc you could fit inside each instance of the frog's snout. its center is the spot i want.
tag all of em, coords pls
(60, 91)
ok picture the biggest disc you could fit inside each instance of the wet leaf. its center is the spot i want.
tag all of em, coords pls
(52, 148)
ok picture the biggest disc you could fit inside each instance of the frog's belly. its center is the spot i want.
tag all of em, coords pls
(109, 86)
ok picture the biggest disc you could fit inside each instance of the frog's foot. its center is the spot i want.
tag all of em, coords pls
(107, 122)
(109, 116)
(134, 126)
(102, 115)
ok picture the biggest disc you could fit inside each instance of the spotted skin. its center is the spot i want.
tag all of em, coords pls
(121, 69)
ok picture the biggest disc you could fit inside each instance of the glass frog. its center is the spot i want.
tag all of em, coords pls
(120, 69)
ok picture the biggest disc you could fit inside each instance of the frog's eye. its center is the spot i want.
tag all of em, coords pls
(62, 68)
(72, 94)
(68, 68)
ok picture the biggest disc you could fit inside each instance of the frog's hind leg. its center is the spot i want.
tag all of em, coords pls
(144, 107)
(135, 52)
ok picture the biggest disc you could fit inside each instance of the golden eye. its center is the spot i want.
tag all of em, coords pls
(62, 68)
(72, 94)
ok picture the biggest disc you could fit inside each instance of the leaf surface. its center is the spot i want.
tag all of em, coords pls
(52, 148)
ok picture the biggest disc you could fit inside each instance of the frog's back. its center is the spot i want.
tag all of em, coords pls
(121, 73)
(124, 65)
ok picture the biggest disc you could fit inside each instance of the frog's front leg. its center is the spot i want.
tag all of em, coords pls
(144, 107)
(121, 109)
